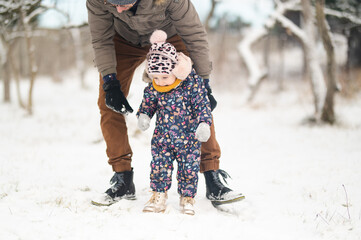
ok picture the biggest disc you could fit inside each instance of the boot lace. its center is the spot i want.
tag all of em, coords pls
(155, 198)
(187, 200)
(117, 181)
(224, 176)
(152, 198)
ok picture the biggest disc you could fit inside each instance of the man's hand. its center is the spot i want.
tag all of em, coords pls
(143, 121)
(203, 132)
(114, 97)
(212, 100)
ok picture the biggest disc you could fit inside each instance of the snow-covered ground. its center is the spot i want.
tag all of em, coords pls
(300, 182)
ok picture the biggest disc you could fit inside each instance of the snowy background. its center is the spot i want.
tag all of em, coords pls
(300, 182)
(254, 12)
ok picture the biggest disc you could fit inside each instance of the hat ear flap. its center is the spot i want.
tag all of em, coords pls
(146, 78)
(183, 68)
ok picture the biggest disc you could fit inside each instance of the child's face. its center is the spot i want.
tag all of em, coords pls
(164, 80)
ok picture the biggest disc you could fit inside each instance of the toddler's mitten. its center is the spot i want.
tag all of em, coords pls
(143, 121)
(203, 132)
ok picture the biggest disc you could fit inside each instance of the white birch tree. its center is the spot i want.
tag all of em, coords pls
(316, 76)
(327, 114)
(308, 36)
(256, 74)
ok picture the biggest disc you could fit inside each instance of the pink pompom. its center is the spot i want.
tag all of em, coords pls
(158, 36)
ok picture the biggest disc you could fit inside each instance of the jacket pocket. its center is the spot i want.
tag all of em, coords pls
(146, 23)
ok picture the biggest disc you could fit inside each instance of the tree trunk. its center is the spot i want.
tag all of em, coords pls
(327, 114)
(256, 74)
(210, 14)
(281, 69)
(79, 54)
(266, 52)
(6, 76)
(6, 79)
(32, 64)
(15, 71)
(316, 75)
(354, 47)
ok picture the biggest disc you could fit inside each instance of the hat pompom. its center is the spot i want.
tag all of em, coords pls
(158, 36)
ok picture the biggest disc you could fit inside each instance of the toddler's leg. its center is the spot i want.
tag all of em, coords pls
(188, 168)
(161, 168)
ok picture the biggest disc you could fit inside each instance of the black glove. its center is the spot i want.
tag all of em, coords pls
(114, 97)
(212, 100)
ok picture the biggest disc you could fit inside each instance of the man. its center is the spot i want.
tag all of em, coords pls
(120, 31)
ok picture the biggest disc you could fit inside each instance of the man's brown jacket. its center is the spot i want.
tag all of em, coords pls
(172, 16)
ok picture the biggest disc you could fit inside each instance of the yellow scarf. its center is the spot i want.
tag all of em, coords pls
(166, 88)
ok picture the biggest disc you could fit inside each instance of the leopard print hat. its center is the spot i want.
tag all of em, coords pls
(164, 59)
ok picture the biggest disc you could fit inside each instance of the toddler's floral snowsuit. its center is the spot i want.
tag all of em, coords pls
(179, 113)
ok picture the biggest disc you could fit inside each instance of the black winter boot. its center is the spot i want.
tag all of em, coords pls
(123, 188)
(216, 191)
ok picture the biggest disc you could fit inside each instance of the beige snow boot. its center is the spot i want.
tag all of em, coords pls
(187, 205)
(156, 203)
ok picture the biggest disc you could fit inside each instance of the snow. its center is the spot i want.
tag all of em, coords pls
(295, 177)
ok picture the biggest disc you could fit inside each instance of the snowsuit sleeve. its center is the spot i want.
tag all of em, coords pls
(149, 102)
(200, 101)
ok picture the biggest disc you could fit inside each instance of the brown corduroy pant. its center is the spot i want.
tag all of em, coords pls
(113, 124)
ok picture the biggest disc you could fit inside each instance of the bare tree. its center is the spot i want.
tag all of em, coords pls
(316, 75)
(5, 70)
(328, 114)
(7, 18)
(211, 13)
(256, 73)
(18, 15)
(323, 92)
(25, 20)
(17, 18)
(79, 53)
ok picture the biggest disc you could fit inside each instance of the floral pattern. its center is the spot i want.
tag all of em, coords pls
(178, 114)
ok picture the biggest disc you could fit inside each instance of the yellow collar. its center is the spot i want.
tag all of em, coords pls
(166, 88)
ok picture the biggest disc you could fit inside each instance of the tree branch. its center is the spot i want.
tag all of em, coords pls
(330, 12)
(350, 17)
(288, 24)
(256, 75)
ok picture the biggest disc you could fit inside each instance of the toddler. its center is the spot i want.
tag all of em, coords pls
(178, 97)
